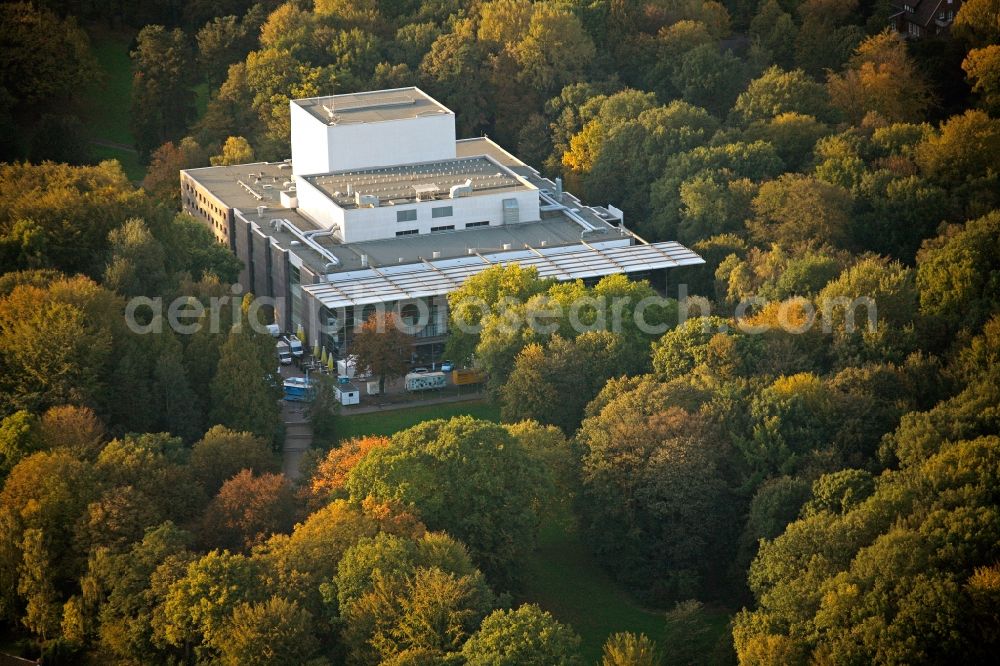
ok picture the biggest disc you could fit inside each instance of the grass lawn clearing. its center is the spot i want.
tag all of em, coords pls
(389, 421)
(563, 578)
(108, 101)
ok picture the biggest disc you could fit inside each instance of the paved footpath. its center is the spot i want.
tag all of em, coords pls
(298, 439)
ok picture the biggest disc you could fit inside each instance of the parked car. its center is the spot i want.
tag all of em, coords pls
(447, 366)
(419, 371)
(284, 354)
(294, 345)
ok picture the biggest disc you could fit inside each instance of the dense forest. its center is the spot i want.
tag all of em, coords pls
(833, 484)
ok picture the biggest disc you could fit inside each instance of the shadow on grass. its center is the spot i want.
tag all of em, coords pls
(563, 577)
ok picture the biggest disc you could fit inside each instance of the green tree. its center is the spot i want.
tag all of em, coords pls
(776, 503)
(243, 398)
(778, 91)
(963, 157)
(755, 161)
(554, 383)
(194, 254)
(957, 273)
(976, 20)
(827, 34)
(482, 294)
(981, 69)
(302, 563)
(712, 204)
(222, 453)
(197, 607)
(162, 95)
(709, 78)
(47, 58)
(178, 404)
(18, 439)
(555, 50)
(124, 585)
(42, 499)
(60, 139)
(152, 464)
(628, 649)
(465, 476)
(236, 150)
(683, 348)
(136, 262)
(36, 586)
(645, 143)
(793, 136)
(656, 498)
(68, 228)
(398, 594)
(598, 116)
(55, 344)
(526, 635)
(223, 41)
(798, 208)
(853, 583)
(269, 633)
(774, 29)
(454, 71)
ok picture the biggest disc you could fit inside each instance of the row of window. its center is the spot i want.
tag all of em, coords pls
(411, 215)
(444, 227)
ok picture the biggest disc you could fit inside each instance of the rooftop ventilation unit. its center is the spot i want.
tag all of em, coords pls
(363, 200)
(463, 190)
(436, 254)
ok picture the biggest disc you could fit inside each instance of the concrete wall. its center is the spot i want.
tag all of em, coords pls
(280, 288)
(363, 224)
(205, 206)
(261, 262)
(242, 244)
(321, 148)
(317, 206)
(310, 144)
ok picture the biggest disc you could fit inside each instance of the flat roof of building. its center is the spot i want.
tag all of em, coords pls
(372, 106)
(424, 181)
(552, 231)
(565, 221)
(245, 186)
(438, 277)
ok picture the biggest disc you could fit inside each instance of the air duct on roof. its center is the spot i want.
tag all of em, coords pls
(462, 190)
(307, 239)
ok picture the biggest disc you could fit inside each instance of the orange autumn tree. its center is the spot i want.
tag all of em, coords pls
(382, 345)
(330, 478)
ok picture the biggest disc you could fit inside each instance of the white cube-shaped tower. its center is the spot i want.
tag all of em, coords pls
(369, 129)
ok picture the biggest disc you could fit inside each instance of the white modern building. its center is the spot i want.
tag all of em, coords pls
(381, 204)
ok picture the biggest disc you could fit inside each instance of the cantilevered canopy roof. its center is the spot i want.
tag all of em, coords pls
(440, 276)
